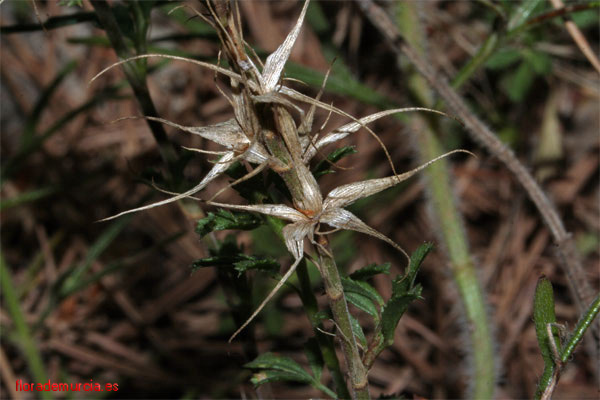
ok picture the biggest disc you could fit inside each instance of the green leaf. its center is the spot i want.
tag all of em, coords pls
(322, 168)
(503, 58)
(71, 3)
(362, 288)
(522, 13)
(517, 83)
(403, 285)
(358, 332)
(363, 296)
(271, 375)
(393, 311)
(586, 19)
(540, 62)
(224, 219)
(316, 18)
(280, 363)
(363, 303)
(370, 271)
(240, 262)
(543, 314)
(314, 356)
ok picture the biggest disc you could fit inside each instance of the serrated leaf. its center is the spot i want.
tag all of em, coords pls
(402, 286)
(370, 271)
(393, 311)
(358, 332)
(314, 356)
(223, 220)
(280, 363)
(240, 262)
(252, 262)
(322, 168)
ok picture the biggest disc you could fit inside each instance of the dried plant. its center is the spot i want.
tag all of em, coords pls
(264, 134)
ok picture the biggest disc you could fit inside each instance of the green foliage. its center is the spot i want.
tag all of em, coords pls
(543, 316)
(517, 81)
(71, 3)
(273, 367)
(223, 220)
(229, 255)
(370, 271)
(404, 292)
(363, 293)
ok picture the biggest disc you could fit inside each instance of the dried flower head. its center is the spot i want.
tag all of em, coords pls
(264, 133)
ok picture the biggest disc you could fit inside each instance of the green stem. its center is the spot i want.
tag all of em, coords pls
(449, 219)
(341, 315)
(582, 326)
(29, 348)
(463, 269)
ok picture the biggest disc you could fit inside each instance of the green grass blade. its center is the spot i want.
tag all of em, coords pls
(27, 197)
(26, 341)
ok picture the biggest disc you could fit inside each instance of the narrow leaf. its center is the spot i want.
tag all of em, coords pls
(363, 303)
(393, 311)
(362, 288)
(370, 271)
(543, 314)
(280, 363)
(358, 332)
(223, 220)
(403, 285)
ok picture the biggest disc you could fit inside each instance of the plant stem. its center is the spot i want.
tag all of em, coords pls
(311, 307)
(326, 344)
(341, 315)
(549, 379)
(582, 326)
(448, 218)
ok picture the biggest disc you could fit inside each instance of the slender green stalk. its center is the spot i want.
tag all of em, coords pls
(28, 346)
(582, 326)
(341, 315)
(450, 226)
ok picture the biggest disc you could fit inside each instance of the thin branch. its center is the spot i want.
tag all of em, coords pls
(578, 37)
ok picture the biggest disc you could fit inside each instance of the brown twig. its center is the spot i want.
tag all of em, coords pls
(578, 37)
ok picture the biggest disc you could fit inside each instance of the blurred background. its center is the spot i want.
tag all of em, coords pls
(117, 301)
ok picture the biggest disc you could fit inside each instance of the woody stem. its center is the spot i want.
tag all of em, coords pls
(341, 315)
